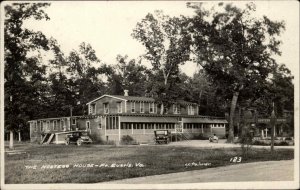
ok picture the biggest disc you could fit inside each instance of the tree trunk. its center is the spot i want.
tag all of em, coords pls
(11, 139)
(231, 116)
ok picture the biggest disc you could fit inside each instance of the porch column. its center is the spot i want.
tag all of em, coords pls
(119, 123)
(202, 128)
(211, 128)
(262, 133)
(274, 130)
(19, 132)
(144, 130)
(105, 121)
(266, 132)
(131, 128)
(192, 127)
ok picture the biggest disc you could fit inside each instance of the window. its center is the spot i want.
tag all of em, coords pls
(106, 107)
(88, 127)
(176, 109)
(132, 107)
(119, 107)
(151, 107)
(39, 125)
(92, 108)
(48, 125)
(191, 110)
(142, 107)
(62, 125)
(42, 125)
(73, 121)
(54, 125)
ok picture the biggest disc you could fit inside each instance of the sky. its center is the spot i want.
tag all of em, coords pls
(107, 26)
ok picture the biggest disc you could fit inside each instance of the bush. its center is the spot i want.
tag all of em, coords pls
(200, 137)
(282, 143)
(261, 143)
(246, 140)
(127, 140)
(268, 143)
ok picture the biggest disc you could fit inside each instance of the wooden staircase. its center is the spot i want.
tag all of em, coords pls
(47, 138)
(50, 138)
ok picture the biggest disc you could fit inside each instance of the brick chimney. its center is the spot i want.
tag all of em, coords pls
(125, 92)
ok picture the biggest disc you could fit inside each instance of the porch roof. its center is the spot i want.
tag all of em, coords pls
(203, 120)
(132, 119)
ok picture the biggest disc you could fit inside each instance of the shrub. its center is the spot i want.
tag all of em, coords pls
(95, 138)
(282, 143)
(127, 140)
(262, 143)
(199, 137)
(246, 142)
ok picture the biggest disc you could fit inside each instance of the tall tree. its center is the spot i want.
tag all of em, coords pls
(166, 42)
(22, 72)
(235, 49)
(85, 71)
(130, 75)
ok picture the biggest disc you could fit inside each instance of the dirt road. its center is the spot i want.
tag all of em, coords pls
(258, 171)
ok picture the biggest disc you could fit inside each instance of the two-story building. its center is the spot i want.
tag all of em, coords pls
(112, 116)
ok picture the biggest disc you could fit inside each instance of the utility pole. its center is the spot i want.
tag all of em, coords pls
(272, 122)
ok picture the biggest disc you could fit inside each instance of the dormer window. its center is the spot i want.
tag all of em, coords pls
(191, 110)
(119, 107)
(151, 107)
(176, 109)
(106, 107)
(132, 107)
(92, 109)
(142, 107)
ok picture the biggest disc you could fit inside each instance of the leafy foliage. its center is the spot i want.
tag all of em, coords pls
(24, 75)
(236, 49)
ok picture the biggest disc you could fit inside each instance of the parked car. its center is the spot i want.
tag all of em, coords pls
(162, 136)
(78, 137)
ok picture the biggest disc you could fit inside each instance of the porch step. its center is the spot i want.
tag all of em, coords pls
(50, 139)
(45, 138)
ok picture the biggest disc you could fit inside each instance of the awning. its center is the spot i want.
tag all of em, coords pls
(203, 120)
(148, 119)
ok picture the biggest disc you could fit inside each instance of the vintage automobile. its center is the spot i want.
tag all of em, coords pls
(78, 137)
(162, 136)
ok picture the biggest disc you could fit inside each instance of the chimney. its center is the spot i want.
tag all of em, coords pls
(125, 92)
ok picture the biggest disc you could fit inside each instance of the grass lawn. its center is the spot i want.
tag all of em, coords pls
(155, 159)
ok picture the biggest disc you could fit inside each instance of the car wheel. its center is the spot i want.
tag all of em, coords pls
(79, 142)
(67, 142)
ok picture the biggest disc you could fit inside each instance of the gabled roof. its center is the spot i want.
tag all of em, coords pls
(126, 98)
(139, 99)
(136, 98)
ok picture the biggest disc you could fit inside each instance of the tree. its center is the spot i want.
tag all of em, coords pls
(210, 98)
(166, 42)
(128, 75)
(22, 72)
(235, 49)
(85, 81)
